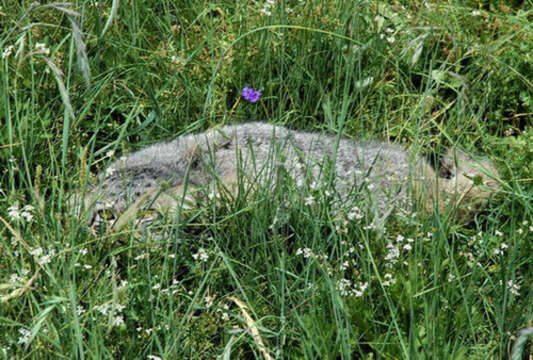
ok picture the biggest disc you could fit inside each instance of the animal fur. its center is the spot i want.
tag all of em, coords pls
(387, 176)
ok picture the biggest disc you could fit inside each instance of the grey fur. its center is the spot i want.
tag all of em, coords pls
(253, 153)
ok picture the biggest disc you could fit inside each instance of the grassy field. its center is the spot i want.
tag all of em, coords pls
(83, 83)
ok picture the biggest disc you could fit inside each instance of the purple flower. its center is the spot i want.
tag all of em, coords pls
(250, 94)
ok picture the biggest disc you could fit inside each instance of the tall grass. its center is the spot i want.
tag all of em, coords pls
(267, 275)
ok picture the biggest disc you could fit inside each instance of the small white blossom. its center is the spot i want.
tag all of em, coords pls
(359, 292)
(344, 285)
(36, 252)
(17, 214)
(392, 255)
(310, 200)
(476, 13)
(7, 51)
(24, 336)
(153, 357)
(16, 279)
(355, 214)
(513, 288)
(42, 49)
(117, 321)
(306, 252)
(45, 259)
(388, 280)
(14, 213)
(201, 255)
(361, 84)
(140, 257)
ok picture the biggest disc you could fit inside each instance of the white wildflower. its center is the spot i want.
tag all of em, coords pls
(7, 51)
(388, 280)
(361, 84)
(392, 255)
(153, 357)
(14, 213)
(26, 213)
(24, 336)
(140, 257)
(476, 13)
(344, 285)
(306, 252)
(102, 309)
(209, 300)
(355, 214)
(513, 288)
(201, 255)
(42, 49)
(265, 11)
(16, 279)
(117, 321)
(358, 292)
(45, 259)
(36, 252)
(310, 200)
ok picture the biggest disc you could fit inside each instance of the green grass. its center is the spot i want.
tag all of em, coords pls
(452, 73)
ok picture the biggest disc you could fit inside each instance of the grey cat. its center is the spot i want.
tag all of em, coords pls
(252, 155)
